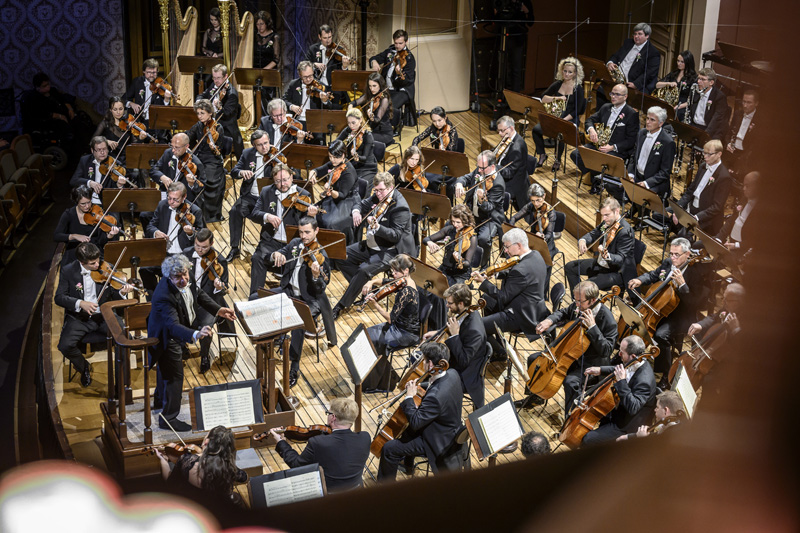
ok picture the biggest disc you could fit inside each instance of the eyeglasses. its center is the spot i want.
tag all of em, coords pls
(709, 153)
(676, 254)
(328, 413)
(617, 94)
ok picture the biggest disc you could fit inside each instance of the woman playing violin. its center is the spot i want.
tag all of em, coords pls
(441, 134)
(358, 141)
(402, 325)
(113, 128)
(213, 470)
(406, 172)
(340, 182)
(459, 242)
(73, 229)
(669, 412)
(208, 143)
(377, 104)
(541, 220)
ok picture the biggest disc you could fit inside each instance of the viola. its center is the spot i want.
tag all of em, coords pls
(96, 216)
(298, 433)
(698, 361)
(503, 264)
(663, 424)
(385, 290)
(501, 148)
(547, 372)
(299, 202)
(400, 59)
(129, 122)
(173, 450)
(211, 134)
(291, 126)
(416, 178)
(116, 278)
(110, 167)
(542, 220)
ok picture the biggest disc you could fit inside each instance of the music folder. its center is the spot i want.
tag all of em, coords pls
(234, 404)
(288, 486)
(494, 426)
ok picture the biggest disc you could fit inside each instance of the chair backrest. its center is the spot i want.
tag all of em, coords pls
(23, 145)
(561, 223)
(362, 187)
(425, 308)
(530, 165)
(8, 165)
(557, 295)
(460, 145)
(476, 259)
(638, 250)
(378, 150)
(506, 201)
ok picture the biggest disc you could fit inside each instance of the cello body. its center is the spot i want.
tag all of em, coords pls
(698, 361)
(545, 375)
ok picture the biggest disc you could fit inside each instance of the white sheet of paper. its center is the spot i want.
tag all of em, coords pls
(293, 489)
(269, 314)
(230, 408)
(362, 354)
(683, 386)
(501, 426)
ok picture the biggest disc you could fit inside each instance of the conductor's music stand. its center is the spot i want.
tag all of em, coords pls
(719, 252)
(172, 117)
(427, 205)
(326, 121)
(336, 240)
(534, 243)
(523, 105)
(349, 80)
(693, 137)
(562, 131)
(200, 65)
(647, 199)
(257, 78)
(134, 200)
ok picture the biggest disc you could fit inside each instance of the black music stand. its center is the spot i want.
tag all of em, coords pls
(634, 321)
(326, 237)
(429, 278)
(523, 105)
(306, 156)
(173, 117)
(562, 131)
(350, 80)
(326, 121)
(257, 78)
(135, 200)
(695, 138)
(138, 253)
(719, 252)
(647, 199)
(641, 102)
(609, 166)
(144, 155)
(534, 243)
(684, 218)
(452, 164)
(427, 205)
(200, 65)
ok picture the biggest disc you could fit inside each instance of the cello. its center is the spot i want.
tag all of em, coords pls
(698, 361)
(547, 372)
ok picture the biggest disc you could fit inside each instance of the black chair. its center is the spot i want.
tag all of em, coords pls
(425, 308)
(93, 337)
(558, 229)
(379, 151)
(476, 259)
(460, 145)
(557, 295)
(484, 366)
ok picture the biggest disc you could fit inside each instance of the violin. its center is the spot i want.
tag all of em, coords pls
(313, 256)
(585, 417)
(110, 167)
(129, 122)
(442, 333)
(355, 139)
(211, 134)
(275, 153)
(385, 290)
(291, 126)
(698, 361)
(299, 202)
(184, 216)
(503, 264)
(334, 49)
(336, 173)
(611, 231)
(547, 372)
(463, 238)
(298, 433)
(188, 169)
(442, 140)
(160, 87)
(542, 220)
(663, 424)
(116, 278)
(380, 208)
(399, 60)
(416, 178)
(173, 450)
(96, 216)
(211, 265)
(315, 89)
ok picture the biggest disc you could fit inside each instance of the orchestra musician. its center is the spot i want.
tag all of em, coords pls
(342, 455)
(709, 110)
(669, 408)
(541, 222)
(534, 443)
(513, 151)
(88, 170)
(433, 425)
(638, 59)
(624, 123)
(412, 158)
(456, 266)
(225, 99)
(341, 196)
(467, 341)
(377, 104)
(272, 122)
(266, 51)
(388, 234)
(323, 63)
(299, 99)
(615, 261)
(139, 94)
(692, 288)
(211, 45)
(568, 88)
(213, 284)
(305, 278)
(484, 200)
(635, 386)
(650, 164)
(399, 80)
(110, 128)
(736, 234)
(78, 294)
(358, 142)
(434, 135)
(737, 151)
(175, 321)
(210, 152)
(683, 77)
(171, 168)
(72, 229)
(273, 216)
(251, 166)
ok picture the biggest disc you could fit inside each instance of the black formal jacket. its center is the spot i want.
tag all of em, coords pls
(516, 174)
(468, 353)
(342, 456)
(136, 94)
(267, 203)
(644, 71)
(438, 417)
(85, 172)
(206, 284)
(627, 126)
(659, 164)
(346, 185)
(716, 115)
(231, 110)
(160, 221)
(492, 205)
(749, 233)
(736, 123)
(395, 224)
(620, 250)
(602, 337)
(637, 398)
(70, 290)
(168, 167)
(528, 214)
(693, 294)
(203, 150)
(367, 165)
(169, 318)
(711, 212)
(294, 96)
(270, 127)
(316, 54)
(410, 71)
(248, 162)
(522, 291)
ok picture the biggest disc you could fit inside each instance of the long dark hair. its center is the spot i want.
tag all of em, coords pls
(689, 71)
(381, 81)
(218, 462)
(109, 118)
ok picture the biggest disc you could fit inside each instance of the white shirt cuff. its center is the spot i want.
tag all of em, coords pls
(78, 306)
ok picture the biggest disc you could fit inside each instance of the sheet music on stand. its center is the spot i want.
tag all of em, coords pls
(231, 405)
(494, 426)
(359, 354)
(288, 486)
(683, 386)
(267, 315)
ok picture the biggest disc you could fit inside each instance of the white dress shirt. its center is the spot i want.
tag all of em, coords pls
(305, 102)
(743, 128)
(700, 111)
(258, 165)
(280, 231)
(630, 59)
(615, 111)
(173, 246)
(89, 289)
(647, 147)
(704, 181)
(736, 230)
(188, 299)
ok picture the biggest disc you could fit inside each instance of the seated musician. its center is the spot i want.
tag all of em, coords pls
(305, 278)
(692, 289)
(140, 94)
(388, 234)
(668, 411)
(650, 164)
(638, 59)
(433, 425)
(615, 260)
(325, 63)
(709, 110)
(78, 294)
(706, 196)
(301, 96)
(483, 191)
(203, 250)
(175, 321)
(225, 99)
(736, 234)
(340, 190)
(682, 78)
(274, 216)
(400, 80)
(402, 326)
(534, 443)
(376, 102)
(568, 88)
(623, 122)
(120, 136)
(412, 158)
(254, 163)
(72, 229)
(88, 171)
(601, 330)
(512, 153)
(173, 167)
(272, 122)
(738, 141)
(467, 341)
(541, 219)
(210, 152)
(440, 135)
(634, 385)
(358, 142)
(456, 261)
(342, 454)
(518, 304)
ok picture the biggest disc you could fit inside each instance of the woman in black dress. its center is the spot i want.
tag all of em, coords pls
(339, 196)
(72, 230)
(434, 135)
(402, 326)
(110, 128)
(412, 158)
(212, 37)
(266, 52)
(683, 77)
(379, 111)
(358, 142)
(460, 217)
(534, 214)
(210, 153)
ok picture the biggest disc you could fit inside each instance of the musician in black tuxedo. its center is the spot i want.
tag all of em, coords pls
(616, 263)
(170, 168)
(307, 283)
(401, 89)
(467, 342)
(693, 292)
(651, 163)
(77, 293)
(139, 94)
(175, 321)
(387, 235)
(741, 133)
(518, 304)
(706, 196)
(298, 99)
(484, 204)
(273, 217)
(317, 53)
(216, 288)
(251, 166)
(434, 424)
(226, 100)
(516, 157)
(272, 121)
(709, 110)
(738, 234)
(638, 59)
(636, 388)
(622, 118)
(88, 174)
(342, 454)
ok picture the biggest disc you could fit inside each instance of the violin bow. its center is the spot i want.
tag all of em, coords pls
(410, 184)
(375, 207)
(438, 137)
(108, 279)
(473, 229)
(369, 100)
(105, 213)
(171, 428)
(305, 254)
(487, 177)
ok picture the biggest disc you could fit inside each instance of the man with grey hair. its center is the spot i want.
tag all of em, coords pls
(634, 384)
(638, 59)
(690, 282)
(173, 321)
(272, 121)
(515, 155)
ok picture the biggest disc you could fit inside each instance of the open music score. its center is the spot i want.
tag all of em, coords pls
(494, 426)
(288, 486)
(268, 315)
(359, 355)
(683, 386)
(229, 404)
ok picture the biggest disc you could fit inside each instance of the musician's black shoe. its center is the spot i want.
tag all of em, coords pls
(233, 255)
(337, 310)
(86, 376)
(663, 383)
(292, 378)
(594, 190)
(157, 404)
(185, 353)
(205, 363)
(541, 161)
(529, 402)
(177, 425)
(556, 165)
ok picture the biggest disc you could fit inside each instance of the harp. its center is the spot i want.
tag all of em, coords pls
(180, 39)
(237, 45)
